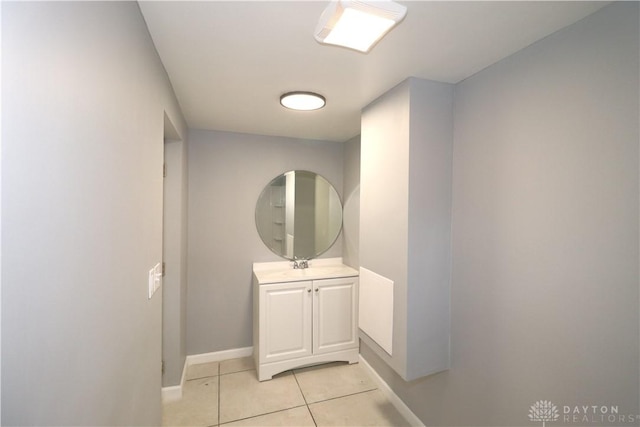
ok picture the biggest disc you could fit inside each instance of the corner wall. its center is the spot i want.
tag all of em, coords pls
(227, 172)
(405, 225)
(545, 280)
(83, 103)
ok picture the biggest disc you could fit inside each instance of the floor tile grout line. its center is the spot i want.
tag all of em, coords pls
(261, 415)
(299, 388)
(201, 378)
(346, 395)
(235, 372)
(304, 398)
(306, 403)
(219, 370)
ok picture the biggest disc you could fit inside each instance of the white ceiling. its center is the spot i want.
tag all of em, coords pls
(229, 61)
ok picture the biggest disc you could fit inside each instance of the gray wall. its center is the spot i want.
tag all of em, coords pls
(227, 172)
(174, 246)
(351, 202)
(405, 218)
(545, 232)
(83, 102)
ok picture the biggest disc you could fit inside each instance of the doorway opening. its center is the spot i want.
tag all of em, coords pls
(174, 256)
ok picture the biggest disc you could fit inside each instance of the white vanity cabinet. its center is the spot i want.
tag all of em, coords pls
(300, 322)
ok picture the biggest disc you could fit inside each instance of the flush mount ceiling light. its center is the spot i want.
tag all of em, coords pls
(302, 101)
(358, 24)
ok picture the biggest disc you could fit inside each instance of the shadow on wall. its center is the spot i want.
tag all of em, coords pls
(351, 227)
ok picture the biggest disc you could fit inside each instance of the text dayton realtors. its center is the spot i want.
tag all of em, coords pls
(596, 414)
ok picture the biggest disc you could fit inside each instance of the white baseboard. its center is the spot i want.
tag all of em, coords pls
(173, 393)
(217, 356)
(393, 398)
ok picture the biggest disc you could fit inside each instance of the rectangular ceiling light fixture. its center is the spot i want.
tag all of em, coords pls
(358, 24)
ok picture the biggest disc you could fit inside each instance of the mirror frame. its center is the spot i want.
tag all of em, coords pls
(266, 199)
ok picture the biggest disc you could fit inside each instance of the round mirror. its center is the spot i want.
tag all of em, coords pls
(299, 215)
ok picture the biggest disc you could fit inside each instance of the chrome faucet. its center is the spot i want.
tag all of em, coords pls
(300, 263)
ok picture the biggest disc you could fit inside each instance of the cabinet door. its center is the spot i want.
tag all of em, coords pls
(285, 321)
(335, 314)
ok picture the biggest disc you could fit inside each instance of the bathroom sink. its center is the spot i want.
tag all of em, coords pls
(318, 269)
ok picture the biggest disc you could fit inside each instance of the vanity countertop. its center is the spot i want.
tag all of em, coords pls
(283, 271)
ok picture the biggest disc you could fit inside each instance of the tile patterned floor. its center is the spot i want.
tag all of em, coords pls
(228, 393)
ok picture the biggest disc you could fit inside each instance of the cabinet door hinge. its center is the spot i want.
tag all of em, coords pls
(163, 268)
(164, 170)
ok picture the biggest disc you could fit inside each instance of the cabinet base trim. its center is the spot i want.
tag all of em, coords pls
(267, 370)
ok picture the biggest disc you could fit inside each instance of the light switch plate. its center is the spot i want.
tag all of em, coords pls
(155, 279)
(157, 271)
(152, 282)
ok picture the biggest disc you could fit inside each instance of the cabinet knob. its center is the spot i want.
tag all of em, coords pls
(316, 289)
(309, 290)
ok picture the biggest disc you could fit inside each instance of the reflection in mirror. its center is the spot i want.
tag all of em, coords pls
(299, 215)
